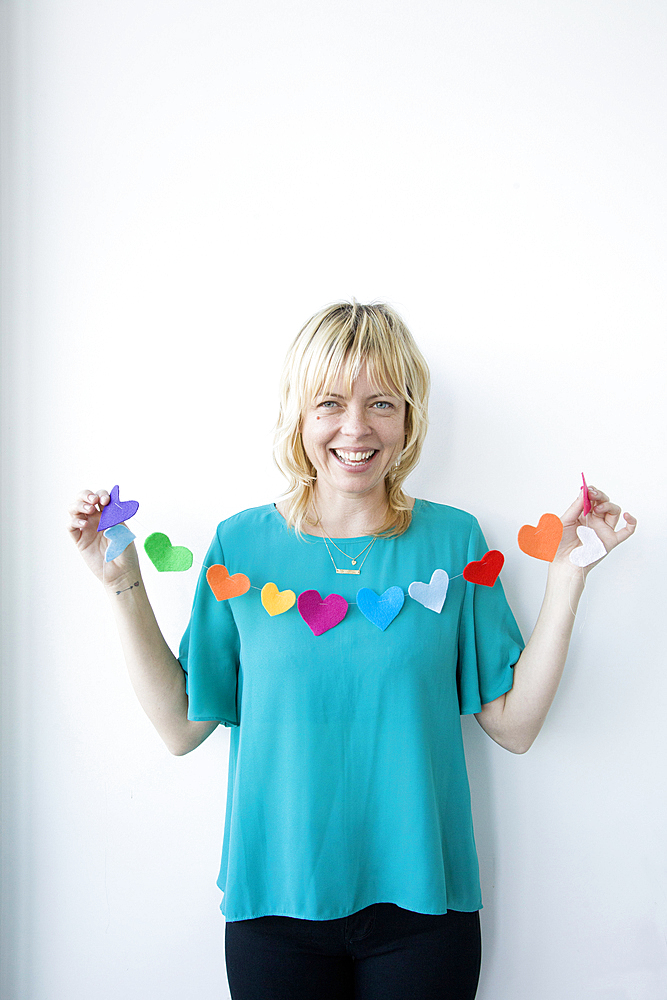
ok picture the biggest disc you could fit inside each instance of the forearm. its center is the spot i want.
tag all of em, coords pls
(155, 673)
(515, 720)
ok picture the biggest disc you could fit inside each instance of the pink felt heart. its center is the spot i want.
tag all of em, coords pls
(486, 570)
(587, 502)
(321, 615)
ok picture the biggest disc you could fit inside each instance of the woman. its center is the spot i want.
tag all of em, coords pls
(349, 865)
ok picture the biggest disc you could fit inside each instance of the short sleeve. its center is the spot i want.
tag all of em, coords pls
(490, 642)
(209, 652)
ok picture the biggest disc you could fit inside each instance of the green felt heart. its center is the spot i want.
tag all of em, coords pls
(165, 556)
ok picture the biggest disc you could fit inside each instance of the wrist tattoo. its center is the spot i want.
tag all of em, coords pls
(127, 588)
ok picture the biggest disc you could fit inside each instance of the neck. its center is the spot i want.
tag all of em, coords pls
(343, 516)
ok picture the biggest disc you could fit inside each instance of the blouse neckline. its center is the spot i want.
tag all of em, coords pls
(356, 538)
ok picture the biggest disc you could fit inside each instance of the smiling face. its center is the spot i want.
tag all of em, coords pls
(353, 438)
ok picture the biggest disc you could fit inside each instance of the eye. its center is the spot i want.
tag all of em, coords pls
(383, 404)
(328, 404)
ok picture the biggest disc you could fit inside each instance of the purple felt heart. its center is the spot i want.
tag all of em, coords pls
(321, 615)
(116, 511)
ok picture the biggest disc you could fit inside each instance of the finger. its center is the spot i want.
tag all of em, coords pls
(629, 529)
(574, 511)
(609, 511)
(81, 507)
(83, 497)
(613, 538)
(596, 496)
(86, 504)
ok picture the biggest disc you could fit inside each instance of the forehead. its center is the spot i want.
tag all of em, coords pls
(367, 379)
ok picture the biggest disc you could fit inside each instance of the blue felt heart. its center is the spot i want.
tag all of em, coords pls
(116, 510)
(382, 610)
(119, 536)
(431, 595)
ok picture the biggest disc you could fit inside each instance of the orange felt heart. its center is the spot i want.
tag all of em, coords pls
(225, 586)
(277, 602)
(486, 570)
(543, 541)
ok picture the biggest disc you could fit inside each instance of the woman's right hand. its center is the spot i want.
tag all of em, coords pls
(85, 515)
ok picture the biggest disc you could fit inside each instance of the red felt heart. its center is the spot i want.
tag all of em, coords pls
(486, 570)
(225, 586)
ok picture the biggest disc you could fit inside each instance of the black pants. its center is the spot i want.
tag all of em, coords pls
(382, 952)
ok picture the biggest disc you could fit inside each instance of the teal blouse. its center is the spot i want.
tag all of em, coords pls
(347, 781)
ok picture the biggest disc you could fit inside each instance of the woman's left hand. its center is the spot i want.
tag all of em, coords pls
(602, 518)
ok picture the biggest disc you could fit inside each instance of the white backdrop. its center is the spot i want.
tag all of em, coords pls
(187, 182)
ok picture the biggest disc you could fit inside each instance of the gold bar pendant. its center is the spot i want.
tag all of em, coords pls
(349, 572)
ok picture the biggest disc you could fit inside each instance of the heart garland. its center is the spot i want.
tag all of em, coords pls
(540, 542)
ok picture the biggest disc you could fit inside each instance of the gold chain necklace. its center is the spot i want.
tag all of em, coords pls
(349, 572)
(353, 559)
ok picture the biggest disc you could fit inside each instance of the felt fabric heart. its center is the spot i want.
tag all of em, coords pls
(587, 502)
(381, 610)
(116, 511)
(277, 602)
(225, 586)
(431, 595)
(167, 558)
(486, 570)
(119, 537)
(590, 550)
(542, 542)
(321, 615)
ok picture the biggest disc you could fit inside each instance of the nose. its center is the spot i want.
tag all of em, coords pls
(355, 424)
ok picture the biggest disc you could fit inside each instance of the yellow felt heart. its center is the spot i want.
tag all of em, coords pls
(277, 601)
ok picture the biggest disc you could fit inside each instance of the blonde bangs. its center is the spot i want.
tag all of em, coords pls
(333, 345)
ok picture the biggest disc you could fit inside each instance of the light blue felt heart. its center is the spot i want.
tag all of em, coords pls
(431, 595)
(119, 536)
(382, 610)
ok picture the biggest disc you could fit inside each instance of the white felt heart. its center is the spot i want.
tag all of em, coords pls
(431, 595)
(590, 550)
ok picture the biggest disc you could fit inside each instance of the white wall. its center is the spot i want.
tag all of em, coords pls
(185, 183)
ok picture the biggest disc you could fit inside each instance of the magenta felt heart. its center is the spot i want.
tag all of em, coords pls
(321, 615)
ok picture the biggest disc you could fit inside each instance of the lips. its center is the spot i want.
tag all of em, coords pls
(354, 459)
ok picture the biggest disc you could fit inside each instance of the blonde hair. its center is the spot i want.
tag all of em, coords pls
(334, 344)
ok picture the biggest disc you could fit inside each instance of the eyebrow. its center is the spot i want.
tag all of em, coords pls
(377, 395)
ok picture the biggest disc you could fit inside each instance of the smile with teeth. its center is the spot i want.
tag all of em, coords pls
(353, 457)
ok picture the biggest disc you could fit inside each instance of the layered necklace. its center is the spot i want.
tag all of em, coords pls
(353, 559)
